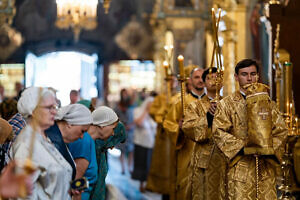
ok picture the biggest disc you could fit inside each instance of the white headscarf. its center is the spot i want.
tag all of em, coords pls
(75, 114)
(30, 99)
(104, 116)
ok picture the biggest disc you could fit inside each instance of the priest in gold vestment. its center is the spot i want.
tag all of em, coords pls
(231, 136)
(207, 162)
(181, 147)
(159, 174)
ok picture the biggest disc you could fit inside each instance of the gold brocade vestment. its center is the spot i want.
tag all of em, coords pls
(159, 174)
(181, 150)
(207, 163)
(230, 135)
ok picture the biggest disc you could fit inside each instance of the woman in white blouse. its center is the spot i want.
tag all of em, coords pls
(53, 174)
(144, 137)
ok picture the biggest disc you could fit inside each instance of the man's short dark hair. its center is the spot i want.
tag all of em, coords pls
(74, 92)
(246, 63)
(206, 72)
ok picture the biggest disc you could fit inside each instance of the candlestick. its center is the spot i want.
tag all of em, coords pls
(291, 115)
(166, 47)
(165, 64)
(166, 67)
(180, 59)
(296, 121)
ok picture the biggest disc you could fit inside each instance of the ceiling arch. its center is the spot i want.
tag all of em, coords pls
(35, 19)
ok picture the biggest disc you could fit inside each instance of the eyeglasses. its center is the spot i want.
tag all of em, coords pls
(50, 108)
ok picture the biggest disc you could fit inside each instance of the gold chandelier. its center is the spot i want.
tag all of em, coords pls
(76, 14)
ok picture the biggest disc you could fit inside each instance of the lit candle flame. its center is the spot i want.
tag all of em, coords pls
(166, 64)
(180, 59)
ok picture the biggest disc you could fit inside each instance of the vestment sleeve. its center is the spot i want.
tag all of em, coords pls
(222, 127)
(195, 124)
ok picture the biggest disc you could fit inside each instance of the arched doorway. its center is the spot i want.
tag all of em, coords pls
(63, 71)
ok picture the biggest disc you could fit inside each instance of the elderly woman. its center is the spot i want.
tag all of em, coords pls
(51, 179)
(70, 124)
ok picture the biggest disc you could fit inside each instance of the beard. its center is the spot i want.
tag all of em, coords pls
(199, 89)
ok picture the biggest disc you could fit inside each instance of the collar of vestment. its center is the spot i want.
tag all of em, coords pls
(243, 94)
(206, 99)
(238, 96)
(197, 96)
(210, 98)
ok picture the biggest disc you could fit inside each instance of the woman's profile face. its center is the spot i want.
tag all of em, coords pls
(45, 112)
(75, 132)
(106, 131)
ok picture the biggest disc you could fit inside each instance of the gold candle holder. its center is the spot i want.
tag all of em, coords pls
(296, 122)
(166, 67)
(180, 59)
(181, 78)
(169, 54)
(287, 85)
(167, 79)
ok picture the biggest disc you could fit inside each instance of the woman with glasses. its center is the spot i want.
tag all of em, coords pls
(52, 175)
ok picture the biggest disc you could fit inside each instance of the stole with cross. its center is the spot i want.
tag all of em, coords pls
(259, 117)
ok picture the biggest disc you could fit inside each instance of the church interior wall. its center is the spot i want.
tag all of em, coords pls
(289, 18)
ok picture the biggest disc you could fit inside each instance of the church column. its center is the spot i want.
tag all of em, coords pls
(242, 27)
(159, 55)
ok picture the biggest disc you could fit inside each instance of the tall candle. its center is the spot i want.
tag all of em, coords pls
(166, 67)
(296, 121)
(180, 59)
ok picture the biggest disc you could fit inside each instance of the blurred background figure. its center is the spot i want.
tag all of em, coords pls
(141, 96)
(8, 108)
(74, 96)
(87, 103)
(18, 89)
(58, 102)
(124, 111)
(2, 93)
(144, 137)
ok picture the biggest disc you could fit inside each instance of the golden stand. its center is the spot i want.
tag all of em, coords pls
(257, 175)
(287, 164)
(286, 167)
(182, 80)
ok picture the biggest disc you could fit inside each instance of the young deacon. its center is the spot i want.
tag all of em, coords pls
(231, 135)
(207, 163)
